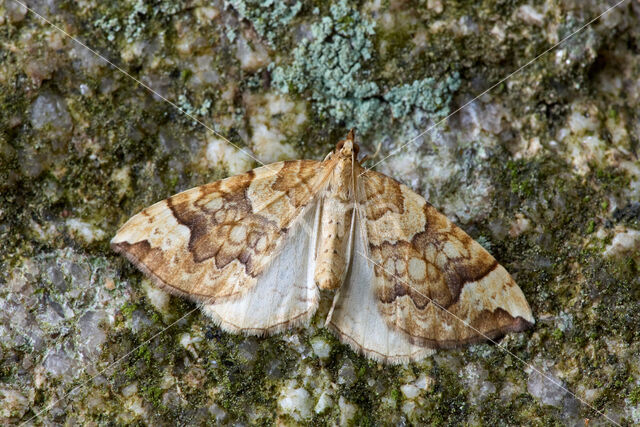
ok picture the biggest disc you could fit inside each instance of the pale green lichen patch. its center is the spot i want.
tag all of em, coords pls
(269, 18)
(334, 65)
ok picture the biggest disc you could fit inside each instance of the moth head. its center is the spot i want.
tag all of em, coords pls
(348, 147)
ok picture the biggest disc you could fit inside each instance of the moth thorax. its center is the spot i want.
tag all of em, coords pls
(348, 147)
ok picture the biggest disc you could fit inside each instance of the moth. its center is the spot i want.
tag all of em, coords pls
(256, 249)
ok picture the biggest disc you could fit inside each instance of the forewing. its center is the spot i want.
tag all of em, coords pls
(212, 243)
(285, 295)
(432, 282)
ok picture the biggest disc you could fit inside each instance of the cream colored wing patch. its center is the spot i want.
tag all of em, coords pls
(432, 282)
(285, 295)
(356, 319)
(215, 241)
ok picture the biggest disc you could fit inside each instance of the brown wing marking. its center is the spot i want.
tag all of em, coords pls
(434, 282)
(213, 241)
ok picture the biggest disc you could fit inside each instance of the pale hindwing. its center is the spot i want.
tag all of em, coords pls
(285, 295)
(215, 241)
(420, 258)
(356, 318)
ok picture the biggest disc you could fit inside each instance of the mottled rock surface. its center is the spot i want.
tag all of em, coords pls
(542, 170)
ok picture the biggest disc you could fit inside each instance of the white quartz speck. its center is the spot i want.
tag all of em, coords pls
(12, 403)
(530, 15)
(252, 55)
(347, 411)
(86, 231)
(187, 341)
(207, 13)
(218, 413)
(136, 407)
(321, 347)
(49, 113)
(295, 401)
(130, 389)
(546, 388)
(91, 336)
(157, 297)
(625, 241)
(219, 151)
(410, 391)
(324, 403)
(268, 143)
(274, 118)
(58, 364)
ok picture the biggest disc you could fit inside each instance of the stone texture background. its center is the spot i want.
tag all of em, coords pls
(543, 171)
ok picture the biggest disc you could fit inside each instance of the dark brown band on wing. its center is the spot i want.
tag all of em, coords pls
(458, 271)
(459, 274)
(200, 220)
(492, 325)
(209, 238)
(210, 228)
(456, 274)
(141, 255)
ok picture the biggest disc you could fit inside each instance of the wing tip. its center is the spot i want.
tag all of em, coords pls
(116, 245)
(134, 253)
(521, 324)
(517, 324)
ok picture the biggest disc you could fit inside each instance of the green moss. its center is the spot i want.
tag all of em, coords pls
(634, 396)
(524, 178)
(155, 317)
(614, 283)
(130, 372)
(596, 291)
(128, 308)
(144, 353)
(395, 394)
(448, 393)
(557, 334)
(153, 393)
(590, 227)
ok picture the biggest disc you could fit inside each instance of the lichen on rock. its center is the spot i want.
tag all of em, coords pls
(334, 65)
